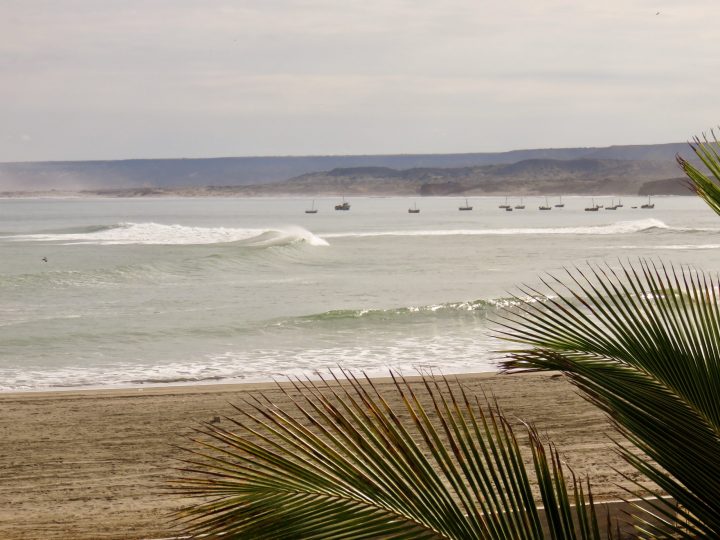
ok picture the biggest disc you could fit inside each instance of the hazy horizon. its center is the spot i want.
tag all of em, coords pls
(388, 154)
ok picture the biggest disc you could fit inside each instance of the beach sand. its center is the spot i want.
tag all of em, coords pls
(92, 464)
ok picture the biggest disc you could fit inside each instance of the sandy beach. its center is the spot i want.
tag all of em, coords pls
(92, 464)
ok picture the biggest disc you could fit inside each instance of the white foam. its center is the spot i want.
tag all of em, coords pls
(679, 247)
(443, 354)
(621, 227)
(157, 233)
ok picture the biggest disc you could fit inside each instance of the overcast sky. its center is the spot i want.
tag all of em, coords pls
(110, 79)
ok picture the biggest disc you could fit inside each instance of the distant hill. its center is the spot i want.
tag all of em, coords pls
(530, 177)
(258, 171)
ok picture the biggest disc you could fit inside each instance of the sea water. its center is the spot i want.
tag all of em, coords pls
(132, 292)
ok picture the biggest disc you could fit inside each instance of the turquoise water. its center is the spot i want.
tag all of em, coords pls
(168, 291)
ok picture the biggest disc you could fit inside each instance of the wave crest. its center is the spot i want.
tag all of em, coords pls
(157, 233)
(471, 307)
(620, 227)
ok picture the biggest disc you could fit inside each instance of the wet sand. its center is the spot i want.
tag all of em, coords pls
(92, 464)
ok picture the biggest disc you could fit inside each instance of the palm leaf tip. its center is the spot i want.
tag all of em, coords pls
(706, 187)
(341, 462)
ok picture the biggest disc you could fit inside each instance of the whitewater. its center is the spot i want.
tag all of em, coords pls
(135, 292)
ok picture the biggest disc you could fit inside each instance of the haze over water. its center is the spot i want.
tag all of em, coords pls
(162, 291)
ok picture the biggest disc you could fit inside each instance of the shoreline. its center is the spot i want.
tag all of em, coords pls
(219, 385)
(93, 463)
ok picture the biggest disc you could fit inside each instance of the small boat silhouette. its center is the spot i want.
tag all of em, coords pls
(344, 206)
(593, 208)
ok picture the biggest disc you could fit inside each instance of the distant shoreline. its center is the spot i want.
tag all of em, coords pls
(618, 170)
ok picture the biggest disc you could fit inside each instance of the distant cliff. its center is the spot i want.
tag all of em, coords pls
(455, 169)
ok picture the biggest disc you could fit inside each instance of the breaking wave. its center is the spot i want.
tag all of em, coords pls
(157, 233)
(621, 227)
(472, 307)
(439, 341)
(674, 247)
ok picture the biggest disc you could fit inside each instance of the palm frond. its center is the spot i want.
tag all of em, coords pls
(708, 151)
(641, 342)
(343, 464)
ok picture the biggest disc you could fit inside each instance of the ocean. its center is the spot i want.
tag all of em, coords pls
(101, 293)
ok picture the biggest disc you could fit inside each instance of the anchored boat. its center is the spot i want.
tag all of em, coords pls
(593, 208)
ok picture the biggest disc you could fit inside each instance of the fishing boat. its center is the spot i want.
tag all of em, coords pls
(560, 204)
(508, 209)
(520, 206)
(504, 206)
(312, 209)
(619, 204)
(414, 209)
(466, 207)
(546, 207)
(648, 205)
(343, 206)
(612, 206)
(593, 207)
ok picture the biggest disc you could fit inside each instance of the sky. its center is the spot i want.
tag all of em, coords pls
(112, 79)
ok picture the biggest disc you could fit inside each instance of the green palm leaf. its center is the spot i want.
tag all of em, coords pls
(709, 154)
(642, 344)
(344, 464)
